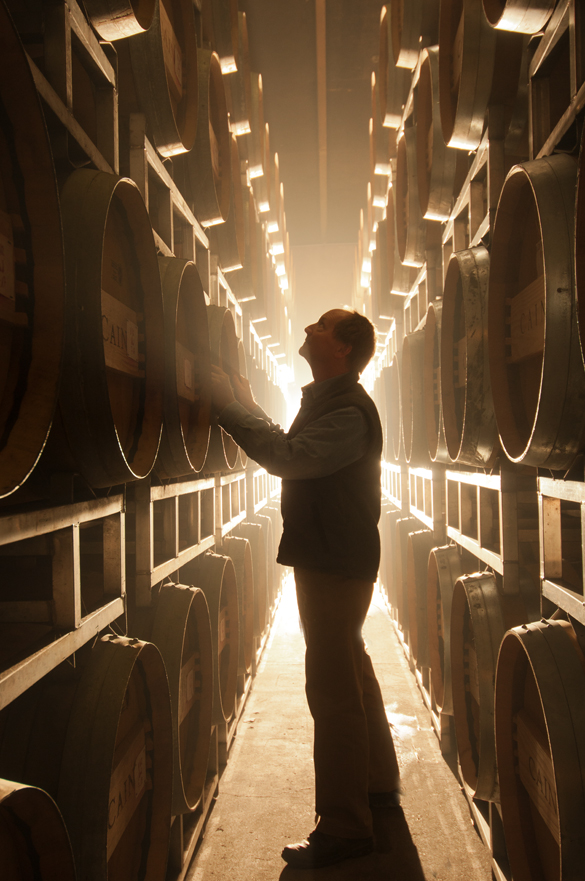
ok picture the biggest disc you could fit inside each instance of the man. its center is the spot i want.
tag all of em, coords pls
(329, 462)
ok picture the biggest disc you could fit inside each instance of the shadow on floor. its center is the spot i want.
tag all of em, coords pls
(395, 858)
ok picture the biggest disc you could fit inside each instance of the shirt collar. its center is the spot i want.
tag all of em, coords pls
(316, 390)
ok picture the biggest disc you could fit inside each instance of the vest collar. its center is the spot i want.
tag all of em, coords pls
(317, 391)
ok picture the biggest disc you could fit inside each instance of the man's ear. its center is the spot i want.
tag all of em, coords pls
(343, 350)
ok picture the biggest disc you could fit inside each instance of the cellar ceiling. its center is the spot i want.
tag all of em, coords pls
(316, 60)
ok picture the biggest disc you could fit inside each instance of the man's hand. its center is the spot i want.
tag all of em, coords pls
(221, 390)
(243, 392)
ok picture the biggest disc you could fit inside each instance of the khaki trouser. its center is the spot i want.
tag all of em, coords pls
(353, 750)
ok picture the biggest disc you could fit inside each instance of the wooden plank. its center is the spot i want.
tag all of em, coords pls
(67, 578)
(536, 770)
(179, 489)
(552, 540)
(169, 567)
(155, 163)
(49, 95)
(16, 527)
(17, 679)
(91, 45)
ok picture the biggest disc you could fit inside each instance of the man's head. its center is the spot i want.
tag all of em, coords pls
(339, 342)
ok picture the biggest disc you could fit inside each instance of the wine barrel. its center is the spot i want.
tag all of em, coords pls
(419, 546)
(393, 81)
(410, 224)
(443, 571)
(240, 552)
(239, 93)
(579, 239)
(380, 285)
(410, 22)
(272, 510)
(254, 533)
(256, 145)
(400, 276)
(228, 239)
(478, 66)
(99, 740)
(206, 170)
(164, 61)
(118, 19)
(388, 534)
(187, 401)
(220, 18)
(181, 630)
(32, 279)
(268, 534)
(536, 367)
(222, 452)
(521, 16)
(216, 576)
(466, 391)
(34, 843)
(540, 683)
(111, 397)
(435, 430)
(412, 398)
(404, 526)
(435, 162)
(394, 408)
(243, 371)
(480, 616)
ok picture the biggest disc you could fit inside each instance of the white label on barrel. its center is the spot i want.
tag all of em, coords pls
(120, 335)
(6, 257)
(536, 771)
(127, 784)
(472, 672)
(171, 51)
(185, 364)
(187, 687)
(527, 314)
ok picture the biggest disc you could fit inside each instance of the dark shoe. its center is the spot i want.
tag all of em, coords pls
(384, 799)
(320, 850)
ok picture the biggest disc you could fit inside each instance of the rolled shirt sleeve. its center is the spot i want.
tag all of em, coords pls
(315, 451)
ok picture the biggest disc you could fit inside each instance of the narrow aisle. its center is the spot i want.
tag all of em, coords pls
(266, 793)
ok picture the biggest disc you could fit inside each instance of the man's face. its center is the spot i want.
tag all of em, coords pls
(320, 345)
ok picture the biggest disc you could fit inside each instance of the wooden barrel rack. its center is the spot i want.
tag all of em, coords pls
(466, 391)
(410, 225)
(187, 400)
(533, 328)
(164, 61)
(111, 399)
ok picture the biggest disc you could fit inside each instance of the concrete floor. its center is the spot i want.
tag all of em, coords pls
(266, 793)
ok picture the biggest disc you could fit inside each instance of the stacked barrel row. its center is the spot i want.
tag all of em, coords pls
(107, 340)
(103, 341)
(479, 285)
(133, 721)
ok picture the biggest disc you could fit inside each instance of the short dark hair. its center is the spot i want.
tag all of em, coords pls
(357, 331)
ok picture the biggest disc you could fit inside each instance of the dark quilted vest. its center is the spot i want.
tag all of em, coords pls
(331, 523)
